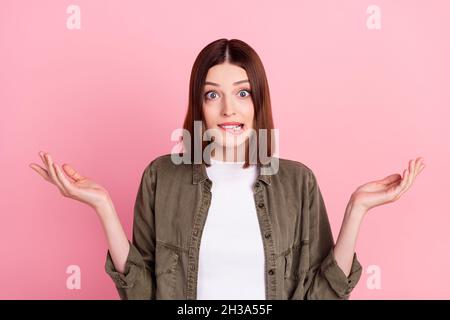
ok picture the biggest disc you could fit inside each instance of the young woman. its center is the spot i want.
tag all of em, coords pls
(226, 224)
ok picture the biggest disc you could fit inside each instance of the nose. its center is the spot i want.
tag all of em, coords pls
(228, 108)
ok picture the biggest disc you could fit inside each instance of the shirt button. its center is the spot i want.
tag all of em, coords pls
(195, 231)
(192, 267)
(261, 205)
(267, 235)
(271, 271)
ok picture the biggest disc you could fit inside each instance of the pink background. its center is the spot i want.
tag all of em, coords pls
(351, 103)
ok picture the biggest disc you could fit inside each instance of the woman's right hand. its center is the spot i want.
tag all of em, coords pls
(72, 184)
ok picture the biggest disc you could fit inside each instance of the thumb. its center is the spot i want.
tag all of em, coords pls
(391, 178)
(71, 172)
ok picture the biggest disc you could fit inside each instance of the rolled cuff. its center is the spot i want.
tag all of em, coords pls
(341, 284)
(133, 265)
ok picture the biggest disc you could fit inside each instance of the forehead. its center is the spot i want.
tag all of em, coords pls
(226, 74)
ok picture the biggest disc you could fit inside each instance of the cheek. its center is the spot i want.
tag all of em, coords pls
(210, 115)
(247, 111)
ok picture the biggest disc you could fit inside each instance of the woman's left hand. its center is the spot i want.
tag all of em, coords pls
(387, 190)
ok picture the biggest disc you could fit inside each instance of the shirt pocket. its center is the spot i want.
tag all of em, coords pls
(296, 266)
(166, 264)
(297, 260)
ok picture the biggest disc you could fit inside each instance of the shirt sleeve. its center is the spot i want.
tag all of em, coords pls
(325, 279)
(138, 279)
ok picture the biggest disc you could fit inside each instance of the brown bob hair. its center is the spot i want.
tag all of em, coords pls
(239, 53)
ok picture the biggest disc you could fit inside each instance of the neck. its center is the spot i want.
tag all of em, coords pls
(228, 154)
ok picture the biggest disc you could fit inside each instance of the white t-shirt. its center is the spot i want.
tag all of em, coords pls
(231, 256)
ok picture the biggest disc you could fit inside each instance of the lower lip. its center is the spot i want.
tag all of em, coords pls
(232, 131)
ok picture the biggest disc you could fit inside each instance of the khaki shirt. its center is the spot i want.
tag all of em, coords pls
(170, 211)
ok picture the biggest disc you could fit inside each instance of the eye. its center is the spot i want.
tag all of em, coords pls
(212, 96)
(244, 90)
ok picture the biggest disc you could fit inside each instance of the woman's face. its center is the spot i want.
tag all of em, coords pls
(227, 104)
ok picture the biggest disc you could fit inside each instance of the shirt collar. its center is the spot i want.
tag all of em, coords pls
(199, 173)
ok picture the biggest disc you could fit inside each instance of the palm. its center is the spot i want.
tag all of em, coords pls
(88, 191)
(387, 190)
(70, 183)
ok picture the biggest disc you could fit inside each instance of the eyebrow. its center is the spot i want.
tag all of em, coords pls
(218, 85)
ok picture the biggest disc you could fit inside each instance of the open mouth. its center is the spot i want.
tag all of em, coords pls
(234, 128)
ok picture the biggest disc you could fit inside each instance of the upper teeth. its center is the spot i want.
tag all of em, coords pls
(231, 127)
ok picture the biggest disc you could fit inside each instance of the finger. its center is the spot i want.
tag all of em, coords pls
(402, 185)
(421, 168)
(408, 179)
(72, 173)
(410, 174)
(413, 167)
(52, 174)
(416, 167)
(405, 176)
(413, 164)
(41, 171)
(393, 183)
(42, 155)
(390, 179)
(69, 187)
